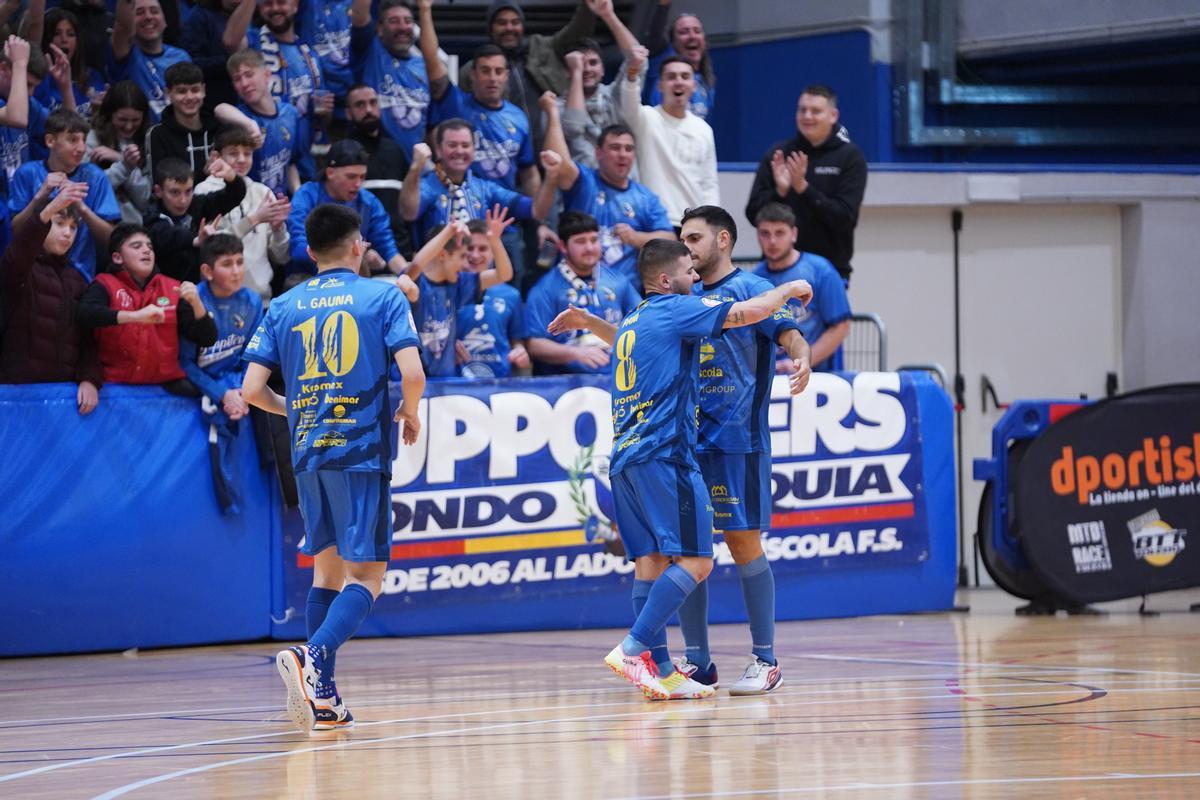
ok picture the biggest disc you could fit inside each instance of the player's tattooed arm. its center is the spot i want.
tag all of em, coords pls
(256, 392)
(575, 318)
(756, 309)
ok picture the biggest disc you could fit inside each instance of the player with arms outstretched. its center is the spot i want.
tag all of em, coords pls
(334, 337)
(662, 504)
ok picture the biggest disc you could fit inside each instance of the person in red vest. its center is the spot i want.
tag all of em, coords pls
(138, 315)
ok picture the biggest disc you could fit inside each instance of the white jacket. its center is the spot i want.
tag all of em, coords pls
(261, 246)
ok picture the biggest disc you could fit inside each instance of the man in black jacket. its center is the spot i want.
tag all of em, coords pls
(820, 175)
(387, 162)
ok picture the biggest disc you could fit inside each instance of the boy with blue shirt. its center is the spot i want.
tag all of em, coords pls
(451, 191)
(663, 513)
(217, 370)
(577, 280)
(66, 134)
(384, 58)
(138, 52)
(826, 322)
(283, 160)
(491, 331)
(19, 112)
(337, 328)
(734, 447)
(446, 287)
(295, 70)
(628, 212)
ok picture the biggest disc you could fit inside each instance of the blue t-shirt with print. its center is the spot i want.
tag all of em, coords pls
(503, 142)
(829, 304)
(488, 329)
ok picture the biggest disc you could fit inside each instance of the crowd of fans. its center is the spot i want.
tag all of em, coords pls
(159, 158)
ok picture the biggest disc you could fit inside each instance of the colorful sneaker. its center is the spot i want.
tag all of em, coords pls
(331, 714)
(758, 678)
(300, 678)
(708, 677)
(680, 687)
(640, 670)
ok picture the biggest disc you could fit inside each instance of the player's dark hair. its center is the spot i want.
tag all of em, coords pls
(821, 90)
(616, 129)
(776, 212)
(329, 228)
(233, 137)
(358, 87)
(587, 44)
(674, 60)
(487, 51)
(217, 245)
(477, 226)
(172, 169)
(120, 233)
(185, 73)
(453, 124)
(659, 256)
(573, 223)
(716, 217)
(64, 121)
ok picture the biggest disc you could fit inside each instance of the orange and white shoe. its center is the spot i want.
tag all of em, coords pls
(300, 679)
(331, 714)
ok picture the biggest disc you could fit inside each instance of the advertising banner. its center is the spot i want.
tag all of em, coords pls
(503, 516)
(1108, 498)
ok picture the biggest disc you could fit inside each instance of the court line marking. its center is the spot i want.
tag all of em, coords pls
(1111, 776)
(971, 665)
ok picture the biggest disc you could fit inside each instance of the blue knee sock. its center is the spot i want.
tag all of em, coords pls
(314, 614)
(693, 623)
(346, 614)
(758, 588)
(666, 595)
(658, 648)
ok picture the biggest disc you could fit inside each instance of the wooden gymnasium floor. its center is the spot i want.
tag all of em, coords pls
(978, 705)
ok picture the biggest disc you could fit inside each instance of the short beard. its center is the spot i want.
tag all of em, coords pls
(369, 126)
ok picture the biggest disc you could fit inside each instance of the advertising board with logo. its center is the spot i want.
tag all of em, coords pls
(503, 513)
(1108, 497)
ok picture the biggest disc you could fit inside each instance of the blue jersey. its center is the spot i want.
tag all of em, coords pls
(376, 226)
(403, 89)
(488, 329)
(333, 337)
(439, 204)
(503, 142)
(702, 99)
(47, 93)
(736, 371)
(635, 205)
(294, 66)
(829, 305)
(325, 27)
(656, 356)
(100, 199)
(606, 294)
(285, 142)
(215, 370)
(18, 145)
(437, 318)
(148, 72)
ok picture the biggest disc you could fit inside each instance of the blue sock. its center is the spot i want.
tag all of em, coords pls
(758, 588)
(346, 613)
(666, 595)
(314, 614)
(658, 648)
(693, 623)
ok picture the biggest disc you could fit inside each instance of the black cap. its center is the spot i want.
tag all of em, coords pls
(347, 153)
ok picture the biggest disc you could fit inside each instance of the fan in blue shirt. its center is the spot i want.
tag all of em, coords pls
(662, 505)
(825, 323)
(628, 212)
(344, 174)
(18, 145)
(217, 371)
(503, 140)
(446, 287)
(295, 68)
(384, 58)
(491, 330)
(138, 52)
(325, 27)
(578, 280)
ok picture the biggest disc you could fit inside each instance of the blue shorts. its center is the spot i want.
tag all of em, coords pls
(662, 507)
(352, 510)
(739, 485)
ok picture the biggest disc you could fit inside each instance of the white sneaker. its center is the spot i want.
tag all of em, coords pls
(640, 670)
(707, 677)
(678, 686)
(759, 677)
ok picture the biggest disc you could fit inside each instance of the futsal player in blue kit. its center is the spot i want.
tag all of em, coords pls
(662, 504)
(736, 372)
(334, 337)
